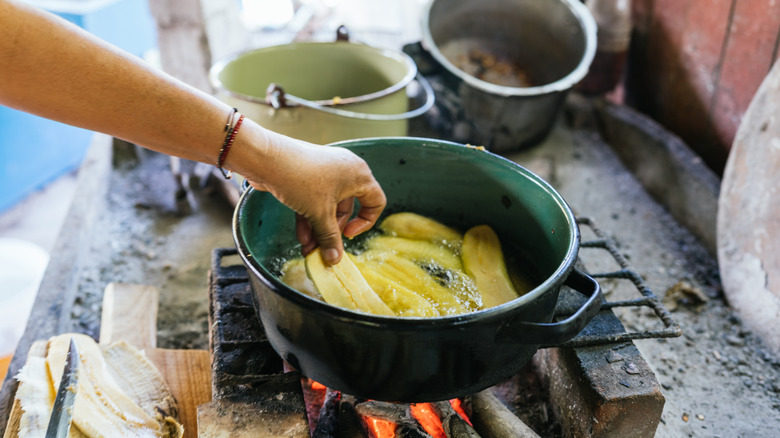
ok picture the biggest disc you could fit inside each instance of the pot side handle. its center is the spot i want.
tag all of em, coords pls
(554, 333)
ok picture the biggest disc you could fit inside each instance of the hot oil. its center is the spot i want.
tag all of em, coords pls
(523, 271)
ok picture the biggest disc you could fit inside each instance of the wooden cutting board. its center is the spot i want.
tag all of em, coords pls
(748, 226)
(130, 314)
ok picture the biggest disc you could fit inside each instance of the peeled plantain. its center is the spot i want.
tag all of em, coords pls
(418, 227)
(35, 393)
(483, 260)
(415, 278)
(342, 285)
(420, 251)
(402, 300)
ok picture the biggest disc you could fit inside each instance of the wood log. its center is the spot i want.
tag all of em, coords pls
(398, 413)
(491, 418)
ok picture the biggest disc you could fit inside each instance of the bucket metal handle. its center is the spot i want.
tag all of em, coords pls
(551, 334)
(277, 98)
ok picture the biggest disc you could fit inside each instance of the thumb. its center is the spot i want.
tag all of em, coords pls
(328, 236)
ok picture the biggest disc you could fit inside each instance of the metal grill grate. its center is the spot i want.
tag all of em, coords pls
(615, 333)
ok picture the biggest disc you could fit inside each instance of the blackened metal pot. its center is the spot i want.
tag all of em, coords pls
(423, 359)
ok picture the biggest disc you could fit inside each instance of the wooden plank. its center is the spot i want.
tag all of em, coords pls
(130, 315)
(188, 375)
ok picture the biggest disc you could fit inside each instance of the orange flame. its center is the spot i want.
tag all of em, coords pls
(380, 428)
(457, 404)
(428, 419)
(317, 386)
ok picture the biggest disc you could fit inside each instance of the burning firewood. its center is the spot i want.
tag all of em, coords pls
(454, 425)
(327, 421)
(398, 413)
(350, 423)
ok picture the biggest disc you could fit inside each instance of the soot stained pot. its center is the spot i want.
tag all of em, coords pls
(423, 359)
(551, 42)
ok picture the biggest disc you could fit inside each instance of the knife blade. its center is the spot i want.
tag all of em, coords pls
(61, 414)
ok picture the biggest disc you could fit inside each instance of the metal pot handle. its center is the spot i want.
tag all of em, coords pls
(277, 98)
(558, 332)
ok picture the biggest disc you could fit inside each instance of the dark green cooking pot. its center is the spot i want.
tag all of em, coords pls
(424, 359)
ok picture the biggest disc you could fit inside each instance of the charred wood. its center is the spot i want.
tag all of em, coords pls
(350, 424)
(328, 419)
(454, 425)
(397, 413)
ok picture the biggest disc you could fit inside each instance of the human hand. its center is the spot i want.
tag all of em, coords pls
(320, 183)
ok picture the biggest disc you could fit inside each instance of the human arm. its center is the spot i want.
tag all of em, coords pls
(56, 70)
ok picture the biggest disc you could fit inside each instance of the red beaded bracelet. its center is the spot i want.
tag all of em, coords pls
(229, 139)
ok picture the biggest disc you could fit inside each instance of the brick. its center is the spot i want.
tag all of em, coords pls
(598, 392)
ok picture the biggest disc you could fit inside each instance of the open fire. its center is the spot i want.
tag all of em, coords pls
(332, 413)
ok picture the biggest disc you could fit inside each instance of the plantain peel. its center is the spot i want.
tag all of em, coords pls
(483, 260)
(343, 285)
(119, 393)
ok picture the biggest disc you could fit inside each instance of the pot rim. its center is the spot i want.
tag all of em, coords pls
(411, 72)
(579, 11)
(553, 281)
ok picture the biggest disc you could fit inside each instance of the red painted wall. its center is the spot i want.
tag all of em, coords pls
(694, 66)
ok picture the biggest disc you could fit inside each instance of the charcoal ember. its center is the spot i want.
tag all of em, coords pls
(454, 425)
(350, 424)
(397, 413)
(328, 418)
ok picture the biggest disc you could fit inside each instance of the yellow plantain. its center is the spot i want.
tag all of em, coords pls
(342, 285)
(414, 277)
(483, 260)
(420, 251)
(403, 301)
(418, 227)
